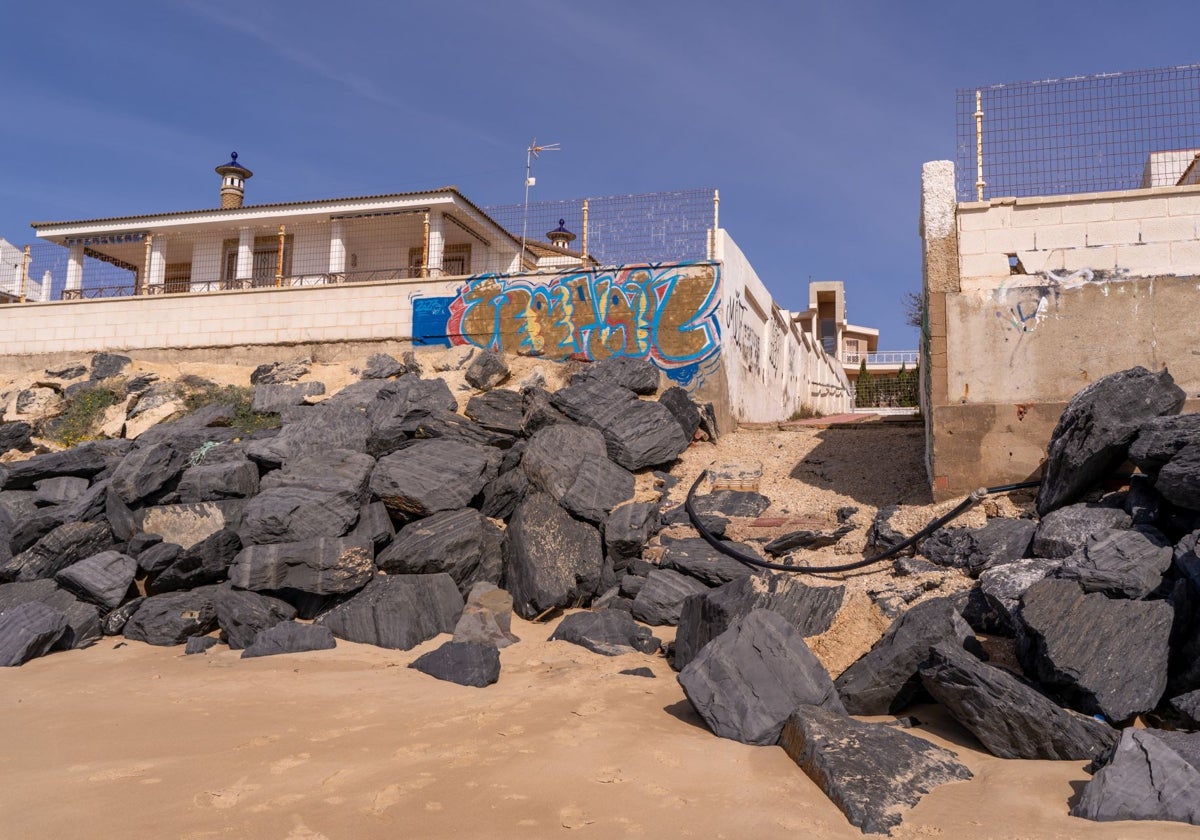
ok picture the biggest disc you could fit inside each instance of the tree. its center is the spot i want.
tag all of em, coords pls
(864, 392)
(914, 309)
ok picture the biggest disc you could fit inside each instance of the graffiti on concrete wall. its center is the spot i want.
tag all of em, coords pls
(749, 344)
(667, 314)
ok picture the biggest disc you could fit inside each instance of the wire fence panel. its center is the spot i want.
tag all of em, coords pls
(401, 245)
(1115, 131)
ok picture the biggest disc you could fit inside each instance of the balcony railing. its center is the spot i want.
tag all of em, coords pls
(186, 286)
(890, 357)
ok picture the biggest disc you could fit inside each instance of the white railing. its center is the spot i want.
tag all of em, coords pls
(890, 357)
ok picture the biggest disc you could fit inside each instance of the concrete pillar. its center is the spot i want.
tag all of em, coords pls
(74, 269)
(337, 247)
(437, 244)
(245, 254)
(158, 264)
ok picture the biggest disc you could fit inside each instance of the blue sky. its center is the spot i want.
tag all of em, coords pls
(812, 118)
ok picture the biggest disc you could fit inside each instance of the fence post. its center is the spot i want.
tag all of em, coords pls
(279, 260)
(712, 234)
(143, 276)
(979, 182)
(425, 248)
(24, 273)
(585, 230)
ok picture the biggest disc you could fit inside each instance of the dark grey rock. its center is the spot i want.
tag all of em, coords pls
(397, 611)
(199, 644)
(873, 772)
(552, 559)
(810, 609)
(1009, 718)
(696, 558)
(1095, 431)
(747, 681)
(627, 529)
(660, 599)
(1100, 655)
(317, 495)
(1160, 438)
(1147, 779)
(103, 578)
(570, 463)
(638, 375)
(806, 538)
(146, 470)
(149, 397)
(83, 620)
(503, 493)
(680, 404)
(464, 663)
(1001, 588)
(886, 679)
(607, 632)
(66, 544)
(29, 630)
(428, 476)
(1066, 530)
(538, 411)
(278, 373)
(272, 399)
(59, 490)
(499, 410)
(1120, 563)
(290, 637)
(242, 615)
(322, 428)
(169, 619)
(1186, 708)
(158, 557)
(882, 535)
(114, 623)
(487, 371)
(374, 525)
(215, 482)
(321, 566)
(636, 433)
(382, 366)
(418, 424)
(71, 370)
(15, 435)
(998, 542)
(108, 365)
(1142, 502)
(208, 561)
(85, 460)
(1179, 480)
(731, 503)
(407, 394)
(461, 543)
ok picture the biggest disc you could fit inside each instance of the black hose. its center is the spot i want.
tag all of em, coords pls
(966, 504)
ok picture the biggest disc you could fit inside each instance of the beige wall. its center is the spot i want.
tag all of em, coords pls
(1111, 280)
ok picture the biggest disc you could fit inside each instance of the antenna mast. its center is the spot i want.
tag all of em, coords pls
(531, 153)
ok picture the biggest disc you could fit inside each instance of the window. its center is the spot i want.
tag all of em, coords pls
(263, 265)
(456, 261)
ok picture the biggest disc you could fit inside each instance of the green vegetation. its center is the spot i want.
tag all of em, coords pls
(238, 398)
(82, 413)
(864, 391)
(805, 412)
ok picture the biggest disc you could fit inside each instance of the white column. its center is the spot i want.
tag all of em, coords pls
(158, 264)
(245, 257)
(337, 247)
(437, 244)
(74, 269)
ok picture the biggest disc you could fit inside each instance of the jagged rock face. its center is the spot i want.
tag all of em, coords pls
(487, 371)
(397, 611)
(68, 543)
(318, 495)
(1009, 718)
(465, 663)
(1153, 775)
(1160, 438)
(638, 375)
(428, 476)
(1066, 530)
(1179, 480)
(169, 619)
(461, 543)
(289, 637)
(571, 464)
(321, 566)
(552, 559)
(1102, 655)
(636, 433)
(243, 615)
(1095, 431)
(28, 631)
(607, 632)
(660, 599)
(1120, 563)
(747, 681)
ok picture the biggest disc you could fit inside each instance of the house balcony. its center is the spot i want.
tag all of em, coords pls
(890, 358)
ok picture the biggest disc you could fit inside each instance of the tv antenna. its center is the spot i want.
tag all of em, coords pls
(530, 155)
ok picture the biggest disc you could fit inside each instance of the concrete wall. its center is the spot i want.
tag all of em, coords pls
(774, 369)
(1048, 295)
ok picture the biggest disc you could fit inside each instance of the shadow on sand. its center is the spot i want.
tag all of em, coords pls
(874, 464)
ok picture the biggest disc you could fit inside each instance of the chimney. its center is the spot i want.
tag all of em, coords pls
(233, 182)
(560, 236)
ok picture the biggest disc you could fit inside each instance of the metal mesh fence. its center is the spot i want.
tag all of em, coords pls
(1114, 131)
(401, 245)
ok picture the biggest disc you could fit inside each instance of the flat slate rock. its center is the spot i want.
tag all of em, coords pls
(1066, 530)
(696, 558)
(679, 403)
(242, 615)
(103, 578)
(1179, 481)
(810, 609)
(85, 460)
(1149, 777)
(747, 681)
(465, 663)
(552, 559)
(208, 561)
(1120, 563)
(272, 399)
(487, 370)
(29, 630)
(397, 611)
(503, 493)
(428, 476)
(1186, 707)
(638, 375)
(636, 433)
(994, 609)
(1095, 431)
(83, 620)
(571, 464)
(1010, 718)
(108, 365)
(145, 471)
(873, 772)
(627, 529)
(1160, 438)
(382, 366)
(322, 566)
(169, 619)
(236, 479)
(499, 411)
(607, 632)
(275, 373)
(199, 644)
(462, 543)
(68, 543)
(729, 503)
(59, 490)
(317, 495)
(487, 617)
(290, 637)
(975, 550)
(660, 599)
(321, 428)
(886, 678)
(1100, 655)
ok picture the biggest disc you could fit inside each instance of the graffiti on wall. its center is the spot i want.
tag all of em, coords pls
(667, 314)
